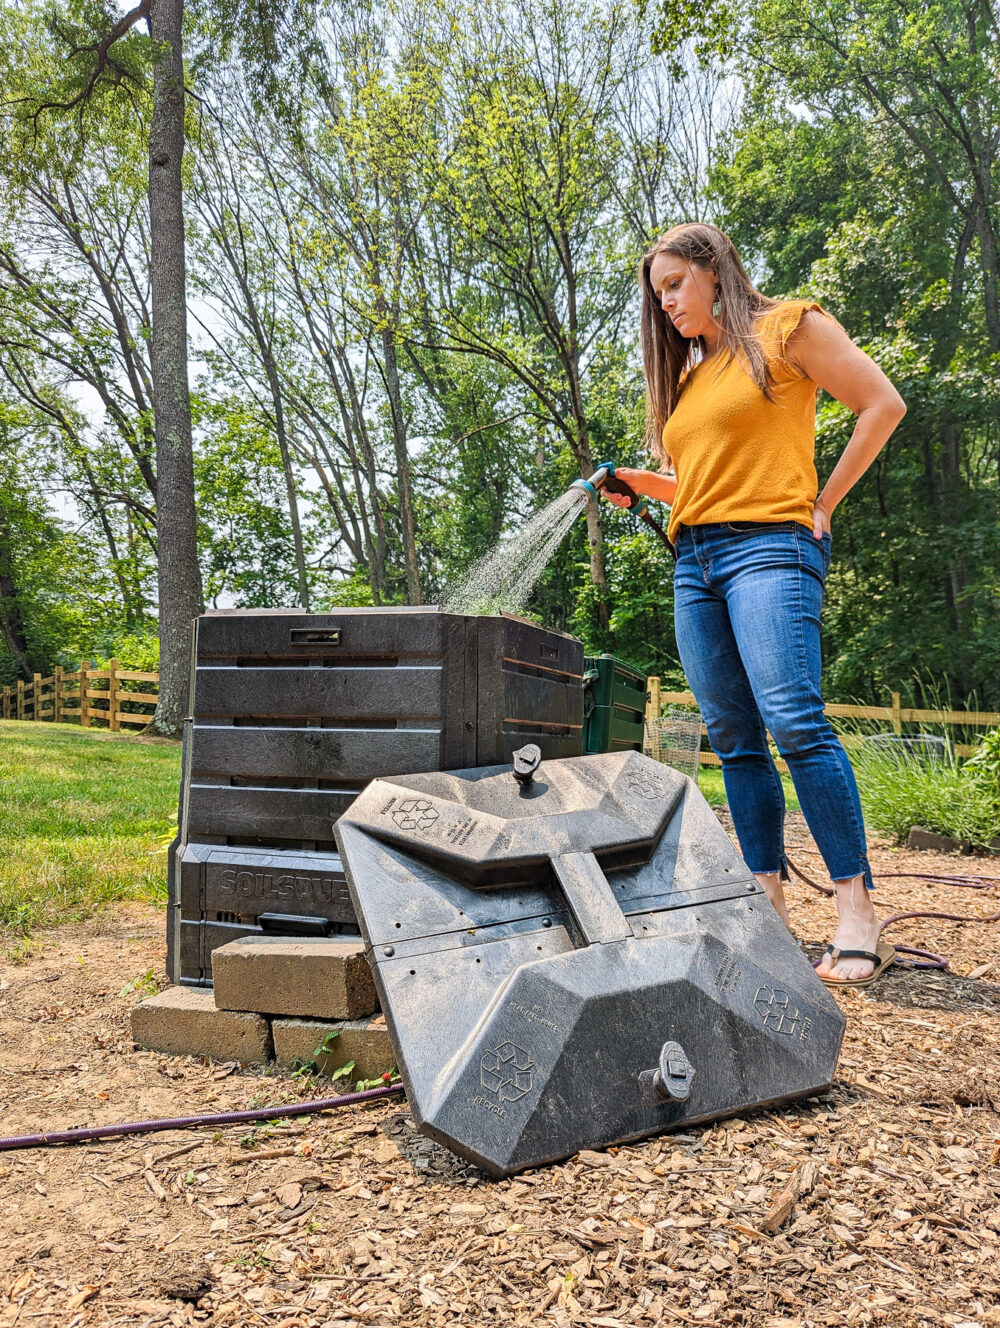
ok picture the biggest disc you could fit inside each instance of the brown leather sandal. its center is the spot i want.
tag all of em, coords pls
(883, 958)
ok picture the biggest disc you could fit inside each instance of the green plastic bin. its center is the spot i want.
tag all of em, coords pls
(614, 705)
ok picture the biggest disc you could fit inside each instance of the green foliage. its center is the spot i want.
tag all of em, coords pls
(145, 982)
(54, 591)
(135, 650)
(244, 535)
(984, 765)
(899, 791)
(354, 592)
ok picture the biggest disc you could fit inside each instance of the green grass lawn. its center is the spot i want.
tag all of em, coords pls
(85, 817)
(710, 783)
(84, 820)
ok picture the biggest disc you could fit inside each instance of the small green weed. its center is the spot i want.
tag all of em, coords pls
(306, 1069)
(145, 982)
(255, 1258)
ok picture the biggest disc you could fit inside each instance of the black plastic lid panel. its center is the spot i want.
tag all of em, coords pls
(576, 961)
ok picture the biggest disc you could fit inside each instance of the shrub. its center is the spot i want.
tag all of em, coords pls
(949, 797)
(135, 650)
(984, 765)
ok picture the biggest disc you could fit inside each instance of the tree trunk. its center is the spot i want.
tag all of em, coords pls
(584, 456)
(595, 532)
(407, 522)
(179, 581)
(990, 263)
(598, 572)
(286, 467)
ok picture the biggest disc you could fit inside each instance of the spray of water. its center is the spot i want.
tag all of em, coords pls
(504, 579)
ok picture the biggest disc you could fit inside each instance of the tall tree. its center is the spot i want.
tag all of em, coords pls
(179, 579)
(246, 297)
(98, 57)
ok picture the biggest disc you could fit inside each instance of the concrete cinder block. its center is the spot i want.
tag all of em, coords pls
(923, 840)
(326, 978)
(184, 1021)
(359, 1040)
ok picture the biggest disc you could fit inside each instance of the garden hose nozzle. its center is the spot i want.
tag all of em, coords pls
(604, 477)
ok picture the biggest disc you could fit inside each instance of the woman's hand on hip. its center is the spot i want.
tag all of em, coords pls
(821, 521)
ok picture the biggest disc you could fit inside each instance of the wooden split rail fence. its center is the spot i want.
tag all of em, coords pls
(897, 715)
(98, 696)
(89, 696)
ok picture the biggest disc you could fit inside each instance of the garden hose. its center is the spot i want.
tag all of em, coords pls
(91, 1132)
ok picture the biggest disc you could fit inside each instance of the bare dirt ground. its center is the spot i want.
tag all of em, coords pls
(878, 1203)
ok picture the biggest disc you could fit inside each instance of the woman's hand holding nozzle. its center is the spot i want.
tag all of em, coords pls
(648, 483)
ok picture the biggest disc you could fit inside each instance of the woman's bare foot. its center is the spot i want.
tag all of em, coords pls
(857, 929)
(775, 891)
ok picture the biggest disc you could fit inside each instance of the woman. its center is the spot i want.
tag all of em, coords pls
(732, 378)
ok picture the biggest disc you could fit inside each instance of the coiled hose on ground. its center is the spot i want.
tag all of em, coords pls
(922, 958)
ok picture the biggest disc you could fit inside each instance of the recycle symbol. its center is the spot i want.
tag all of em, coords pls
(415, 814)
(506, 1071)
(777, 1010)
(642, 786)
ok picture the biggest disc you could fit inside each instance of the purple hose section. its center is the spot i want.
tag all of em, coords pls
(186, 1122)
(923, 958)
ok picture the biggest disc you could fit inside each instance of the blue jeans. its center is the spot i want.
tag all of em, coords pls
(747, 601)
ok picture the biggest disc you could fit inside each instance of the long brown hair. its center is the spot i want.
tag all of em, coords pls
(666, 354)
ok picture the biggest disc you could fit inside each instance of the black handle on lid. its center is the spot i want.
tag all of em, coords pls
(526, 762)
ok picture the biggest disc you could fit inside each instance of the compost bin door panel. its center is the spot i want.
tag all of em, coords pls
(268, 813)
(311, 753)
(391, 693)
(348, 634)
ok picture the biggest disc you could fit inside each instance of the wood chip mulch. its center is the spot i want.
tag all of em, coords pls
(877, 1203)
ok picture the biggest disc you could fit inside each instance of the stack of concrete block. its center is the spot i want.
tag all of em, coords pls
(280, 998)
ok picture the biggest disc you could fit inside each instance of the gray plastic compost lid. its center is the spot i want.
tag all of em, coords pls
(576, 959)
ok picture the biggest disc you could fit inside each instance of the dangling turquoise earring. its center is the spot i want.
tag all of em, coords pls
(717, 306)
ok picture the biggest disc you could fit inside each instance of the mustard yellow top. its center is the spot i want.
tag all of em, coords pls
(736, 455)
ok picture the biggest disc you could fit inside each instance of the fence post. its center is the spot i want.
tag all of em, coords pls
(653, 698)
(897, 719)
(20, 698)
(57, 694)
(6, 703)
(84, 699)
(114, 722)
(36, 690)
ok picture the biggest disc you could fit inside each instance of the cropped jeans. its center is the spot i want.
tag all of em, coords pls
(747, 599)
